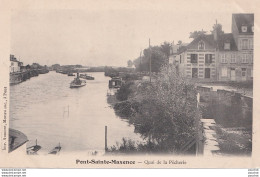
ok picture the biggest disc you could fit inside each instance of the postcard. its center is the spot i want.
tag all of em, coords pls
(129, 84)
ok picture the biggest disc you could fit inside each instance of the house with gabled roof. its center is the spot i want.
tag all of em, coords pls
(197, 59)
(220, 56)
(236, 53)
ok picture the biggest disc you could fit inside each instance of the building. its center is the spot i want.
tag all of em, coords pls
(220, 56)
(197, 59)
(14, 64)
(236, 55)
(174, 51)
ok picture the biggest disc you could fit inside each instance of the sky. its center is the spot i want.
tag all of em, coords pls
(109, 36)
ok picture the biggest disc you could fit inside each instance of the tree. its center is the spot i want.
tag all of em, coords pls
(217, 28)
(166, 49)
(196, 34)
(168, 111)
(158, 58)
(130, 63)
(28, 67)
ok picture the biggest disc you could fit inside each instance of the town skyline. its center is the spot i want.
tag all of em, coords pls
(103, 37)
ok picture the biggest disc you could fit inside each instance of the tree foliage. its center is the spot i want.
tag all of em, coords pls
(159, 57)
(196, 34)
(217, 28)
(129, 63)
(166, 49)
(166, 111)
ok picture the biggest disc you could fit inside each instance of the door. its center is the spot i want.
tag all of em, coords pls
(207, 72)
(233, 74)
(244, 74)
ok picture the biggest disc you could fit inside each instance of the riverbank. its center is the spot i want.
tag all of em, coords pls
(155, 111)
(18, 77)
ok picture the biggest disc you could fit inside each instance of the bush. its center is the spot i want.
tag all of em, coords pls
(124, 91)
(168, 111)
(165, 114)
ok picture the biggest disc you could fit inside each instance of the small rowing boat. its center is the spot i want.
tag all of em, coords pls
(56, 150)
(32, 150)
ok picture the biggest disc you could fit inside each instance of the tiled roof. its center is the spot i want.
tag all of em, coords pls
(219, 44)
(244, 19)
(227, 37)
(182, 49)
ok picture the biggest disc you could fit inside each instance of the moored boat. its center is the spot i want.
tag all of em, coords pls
(71, 74)
(56, 150)
(115, 82)
(87, 77)
(33, 149)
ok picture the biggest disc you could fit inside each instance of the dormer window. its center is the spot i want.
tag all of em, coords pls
(227, 46)
(252, 28)
(201, 45)
(244, 28)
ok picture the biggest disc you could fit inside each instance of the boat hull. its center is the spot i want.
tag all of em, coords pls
(77, 86)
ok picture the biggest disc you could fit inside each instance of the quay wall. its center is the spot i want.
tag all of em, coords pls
(18, 77)
(224, 96)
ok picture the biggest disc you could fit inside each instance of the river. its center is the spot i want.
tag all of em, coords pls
(46, 109)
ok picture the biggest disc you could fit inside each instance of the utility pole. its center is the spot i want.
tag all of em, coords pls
(141, 61)
(150, 60)
(106, 139)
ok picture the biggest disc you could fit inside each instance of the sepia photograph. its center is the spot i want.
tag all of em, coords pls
(150, 79)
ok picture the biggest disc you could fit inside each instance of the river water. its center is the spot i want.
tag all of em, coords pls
(46, 109)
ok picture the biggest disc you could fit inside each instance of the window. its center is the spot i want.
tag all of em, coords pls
(251, 58)
(252, 28)
(223, 58)
(243, 72)
(248, 58)
(233, 58)
(252, 73)
(227, 46)
(251, 44)
(201, 45)
(224, 72)
(244, 44)
(244, 28)
(244, 58)
(207, 72)
(194, 58)
(208, 58)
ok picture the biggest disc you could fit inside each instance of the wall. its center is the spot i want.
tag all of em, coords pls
(237, 66)
(226, 97)
(201, 65)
